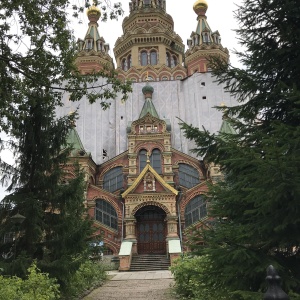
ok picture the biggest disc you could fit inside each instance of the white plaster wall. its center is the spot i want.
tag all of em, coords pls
(100, 129)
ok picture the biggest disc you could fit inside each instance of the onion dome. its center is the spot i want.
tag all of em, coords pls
(148, 89)
(93, 13)
(200, 7)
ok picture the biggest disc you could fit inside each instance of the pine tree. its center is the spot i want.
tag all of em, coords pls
(56, 230)
(256, 206)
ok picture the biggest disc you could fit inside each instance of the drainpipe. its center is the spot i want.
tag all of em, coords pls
(179, 217)
(123, 210)
(123, 215)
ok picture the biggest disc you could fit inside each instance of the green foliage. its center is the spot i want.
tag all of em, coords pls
(37, 286)
(88, 275)
(190, 275)
(56, 230)
(255, 207)
(37, 53)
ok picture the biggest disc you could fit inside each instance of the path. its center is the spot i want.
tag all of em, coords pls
(147, 285)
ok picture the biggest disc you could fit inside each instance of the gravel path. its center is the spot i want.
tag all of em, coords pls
(129, 287)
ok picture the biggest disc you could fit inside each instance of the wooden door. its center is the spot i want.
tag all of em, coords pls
(151, 231)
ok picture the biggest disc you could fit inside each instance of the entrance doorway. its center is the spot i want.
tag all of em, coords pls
(151, 230)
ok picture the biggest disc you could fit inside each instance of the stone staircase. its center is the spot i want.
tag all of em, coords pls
(149, 263)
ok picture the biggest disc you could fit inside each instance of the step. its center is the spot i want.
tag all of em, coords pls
(149, 262)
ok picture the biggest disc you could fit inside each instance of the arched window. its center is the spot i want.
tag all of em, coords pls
(175, 61)
(124, 64)
(106, 214)
(142, 159)
(188, 176)
(206, 38)
(129, 62)
(113, 180)
(144, 58)
(155, 160)
(195, 210)
(168, 59)
(153, 58)
(172, 61)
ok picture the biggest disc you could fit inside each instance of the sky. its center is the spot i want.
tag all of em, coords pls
(220, 17)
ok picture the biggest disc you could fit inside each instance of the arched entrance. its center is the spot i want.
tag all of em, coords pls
(151, 230)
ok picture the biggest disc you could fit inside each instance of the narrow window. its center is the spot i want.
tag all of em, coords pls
(155, 160)
(129, 62)
(124, 64)
(153, 58)
(144, 58)
(168, 60)
(142, 159)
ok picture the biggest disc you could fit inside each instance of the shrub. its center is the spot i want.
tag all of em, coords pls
(191, 281)
(37, 286)
(89, 275)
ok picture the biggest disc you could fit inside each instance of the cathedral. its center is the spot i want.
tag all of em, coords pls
(144, 186)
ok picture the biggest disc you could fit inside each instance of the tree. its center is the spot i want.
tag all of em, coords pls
(256, 206)
(56, 230)
(38, 45)
(36, 68)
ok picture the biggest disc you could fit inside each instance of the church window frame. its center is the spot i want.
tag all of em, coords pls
(89, 44)
(188, 175)
(195, 210)
(129, 61)
(142, 159)
(153, 57)
(168, 59)
(124, 64)
(144, 58)
(106, 214)
(205, 37)
(155, 160)
(113, 179)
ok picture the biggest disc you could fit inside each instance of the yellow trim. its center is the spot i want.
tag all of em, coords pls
(156, 175)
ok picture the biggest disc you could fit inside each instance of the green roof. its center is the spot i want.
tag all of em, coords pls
(226, 127)
(73, 139)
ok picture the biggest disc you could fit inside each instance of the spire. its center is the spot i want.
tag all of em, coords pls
(203, 41)
(93, 50)
(148, 105)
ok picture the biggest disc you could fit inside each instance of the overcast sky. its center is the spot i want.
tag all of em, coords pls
(219, 17)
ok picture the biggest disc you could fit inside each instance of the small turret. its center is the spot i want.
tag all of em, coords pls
(93, 50)
(203, 42)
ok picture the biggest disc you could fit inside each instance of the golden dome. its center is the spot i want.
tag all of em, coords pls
(200, 4)
(93, 10)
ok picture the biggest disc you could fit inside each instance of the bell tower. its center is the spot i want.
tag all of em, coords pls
(149, 44)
